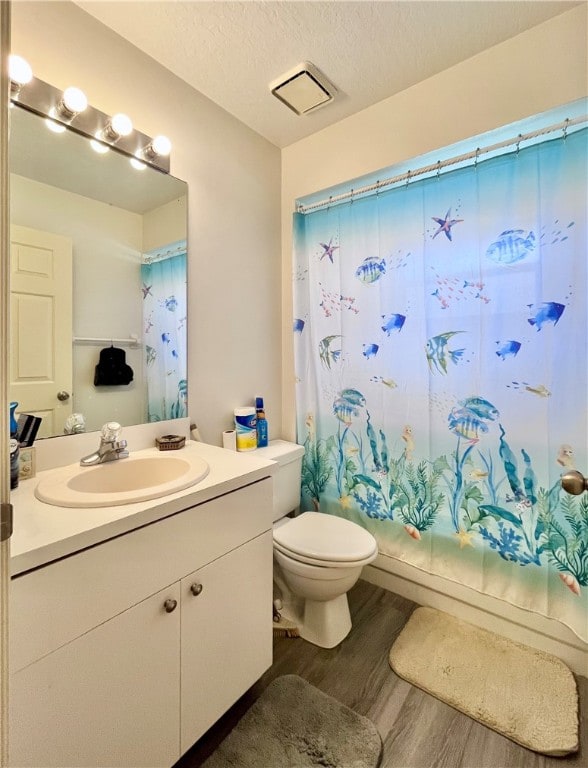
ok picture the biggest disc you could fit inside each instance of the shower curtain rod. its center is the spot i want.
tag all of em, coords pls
(409, 175)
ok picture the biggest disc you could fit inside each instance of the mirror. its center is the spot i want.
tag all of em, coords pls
(98, 275)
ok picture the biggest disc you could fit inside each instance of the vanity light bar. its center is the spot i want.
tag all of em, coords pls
(45, 100)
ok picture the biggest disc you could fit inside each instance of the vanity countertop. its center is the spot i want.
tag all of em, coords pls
(43, 533)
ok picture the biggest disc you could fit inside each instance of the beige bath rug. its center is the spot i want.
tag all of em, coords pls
(526, 695)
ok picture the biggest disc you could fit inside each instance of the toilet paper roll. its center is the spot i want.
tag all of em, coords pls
(230, 439)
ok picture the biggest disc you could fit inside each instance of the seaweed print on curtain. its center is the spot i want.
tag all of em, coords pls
(164, 316)
(440, 336)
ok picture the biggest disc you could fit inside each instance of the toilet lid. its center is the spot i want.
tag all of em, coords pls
(325, 538)
(330, 564)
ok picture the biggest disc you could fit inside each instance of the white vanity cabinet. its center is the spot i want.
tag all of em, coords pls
(108, 698)
(124, 654)
(224, 634)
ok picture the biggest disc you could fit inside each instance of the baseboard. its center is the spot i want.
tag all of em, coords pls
(482, 610)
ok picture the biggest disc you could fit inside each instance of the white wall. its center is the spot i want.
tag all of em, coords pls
(233, 178)
(540, 69)
(165, 225)
(106, 240)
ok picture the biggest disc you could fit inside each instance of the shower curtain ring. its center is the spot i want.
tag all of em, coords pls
(565, 128)
(477, 158)
(351, 195)
(519, 143)
(378, 188)
(408, 173)
(438, 169)
(329, 203)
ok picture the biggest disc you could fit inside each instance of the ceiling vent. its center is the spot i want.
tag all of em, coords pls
(303, 89)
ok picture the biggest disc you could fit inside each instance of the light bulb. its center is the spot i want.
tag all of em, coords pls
(121, 124)
(137, 164)
(98, 146)
(74, 100)
(54, 125)
(161, 145)
(19, 70)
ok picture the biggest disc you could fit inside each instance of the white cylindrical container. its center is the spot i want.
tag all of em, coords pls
(230, 439)
(246, 428)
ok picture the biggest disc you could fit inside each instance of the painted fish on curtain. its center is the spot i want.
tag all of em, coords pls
(163, 274)
(440, 333)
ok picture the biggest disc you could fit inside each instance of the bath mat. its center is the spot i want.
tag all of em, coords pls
(526, 695)
(294, 725)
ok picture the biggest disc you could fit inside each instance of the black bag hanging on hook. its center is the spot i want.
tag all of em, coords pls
(112, 369)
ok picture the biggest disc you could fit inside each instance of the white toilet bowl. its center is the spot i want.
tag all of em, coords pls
(317, 557)
(320, 557)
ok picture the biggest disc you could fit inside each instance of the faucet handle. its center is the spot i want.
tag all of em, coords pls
(121, 449)
(110, 431)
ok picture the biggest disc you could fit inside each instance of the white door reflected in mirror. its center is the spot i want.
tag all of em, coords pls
(41, 321)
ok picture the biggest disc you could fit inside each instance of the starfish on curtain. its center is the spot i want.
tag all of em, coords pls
(328, 250)
(465, 538)
(445, 224)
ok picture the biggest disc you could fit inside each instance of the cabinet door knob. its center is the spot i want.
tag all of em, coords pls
(196, 589)
(170, 605)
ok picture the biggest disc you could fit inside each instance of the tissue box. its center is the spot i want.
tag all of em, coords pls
(26, 463)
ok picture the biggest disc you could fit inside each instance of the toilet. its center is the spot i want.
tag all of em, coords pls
(317, 557)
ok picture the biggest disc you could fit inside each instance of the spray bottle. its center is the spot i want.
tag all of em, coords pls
(262, 431)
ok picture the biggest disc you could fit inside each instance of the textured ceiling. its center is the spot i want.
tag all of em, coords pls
(231, 51)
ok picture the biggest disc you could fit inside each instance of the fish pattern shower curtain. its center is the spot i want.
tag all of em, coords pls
(440, 335)
(163, 275)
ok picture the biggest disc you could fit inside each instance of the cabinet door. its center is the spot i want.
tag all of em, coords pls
(226, 633)
(109, 698)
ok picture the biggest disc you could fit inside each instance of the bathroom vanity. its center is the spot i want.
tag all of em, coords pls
(134, 628)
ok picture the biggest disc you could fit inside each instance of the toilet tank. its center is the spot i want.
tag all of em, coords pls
(286, 481)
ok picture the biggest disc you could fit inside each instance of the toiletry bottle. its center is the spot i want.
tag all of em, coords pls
(262, 432)
(14, 448)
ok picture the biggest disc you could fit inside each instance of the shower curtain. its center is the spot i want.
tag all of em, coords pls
(163, 276)
(440, 334)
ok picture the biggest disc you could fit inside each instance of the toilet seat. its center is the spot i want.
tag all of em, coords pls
(324, 563)
(325, 540)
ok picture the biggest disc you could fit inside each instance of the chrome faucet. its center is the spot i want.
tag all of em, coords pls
(110, 448)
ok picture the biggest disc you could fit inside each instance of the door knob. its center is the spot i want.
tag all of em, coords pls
(196, 589)
(170, 605)
(63, 395)
(574, 482)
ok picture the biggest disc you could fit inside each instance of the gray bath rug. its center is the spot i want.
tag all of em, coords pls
(526, 695)
(294, 725)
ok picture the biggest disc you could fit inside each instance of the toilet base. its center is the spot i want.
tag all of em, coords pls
(326, 623)
(321, 622)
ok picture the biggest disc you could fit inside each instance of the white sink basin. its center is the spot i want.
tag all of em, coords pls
(125, 481)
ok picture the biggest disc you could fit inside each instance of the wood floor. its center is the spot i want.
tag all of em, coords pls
(417, 730)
